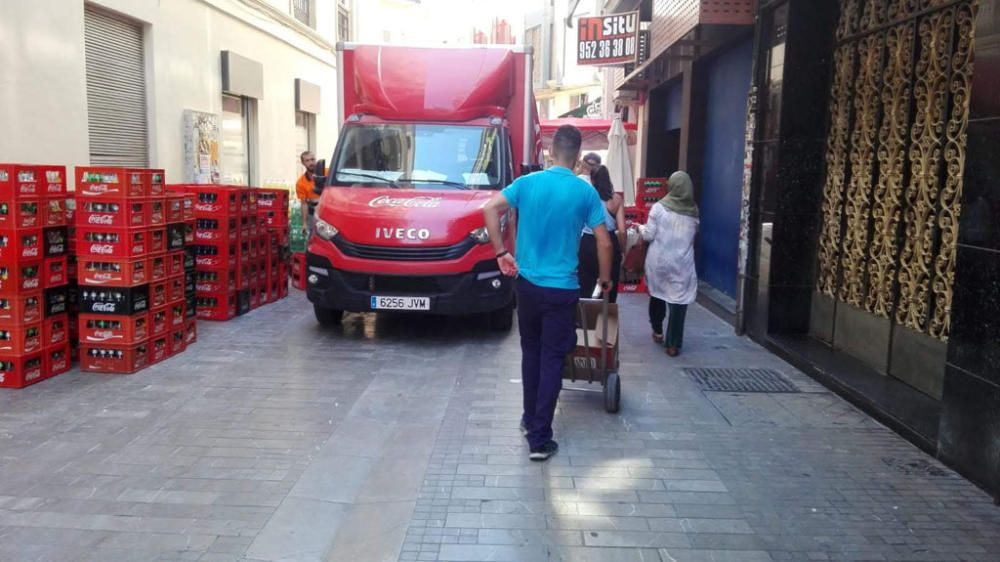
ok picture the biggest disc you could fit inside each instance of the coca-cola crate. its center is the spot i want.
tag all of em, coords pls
(55, 241)
(175, 263)
(112, 242)
(52, 181)
(159, 348)
(216, 306)
(159, 268)
(55, 301)
(70, 209)
(55, 330)
(115, 272)
(156, 182)
(248, 202)
(215, 201)
(215, 280)
(189, 258)
(20, 278)
(16, 245)
(101, 211)
(283, 290)
(20, 181)
(189, 282)
(178, 341)
(119, 183)
(272, 200)
(114, 358)
(157, 240)
(21, 309)
(175, 207)
(55, 272)
(22, 339)
(114, 300)
(158, 293)
(258, 296)
(20, 213)
(56, 360)
(190, 306)
(215, 255)
(189, 206)
(189, 232)
(175, 236)
(159, 321)
(123, 330)
(243, 299)
(19, 371)
(283, 234)
(217, 230)
(53, 212)
(244, 277)
(175, 288)
(157, 211)
(176, 314)
(72, 267)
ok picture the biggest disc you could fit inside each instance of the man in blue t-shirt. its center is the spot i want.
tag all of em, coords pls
(552, 208)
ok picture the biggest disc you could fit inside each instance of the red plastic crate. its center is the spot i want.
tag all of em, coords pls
(176, 314)
(217, 230)
(20, 278)
(100, 211)
(189, 206)
(114, 272)
(215, 280)
(19, 371)
(53, 181)
(158, 293)
(20, 181)
(112, 242)
(19, 310)
(159, 348)
(116, 329)
(175, 288)
(155, 181)
(189, 232)
(215, 255)
(178, 341)
(114, 359)
(216, 306)
(56, 360)
(175, 207)
(212, 201)
(119, 183)
(55, 272)
(55, 241)
(272, 200)
(157, 240)
(22, 339)
(299, 271)
(55, 330)
(159, 321)
(53, 212)
(283, 290)
(17, 245)
(20, 213)
(158, 268)
(175, 263)
(190, 331)
(175, 236)
(157, 211)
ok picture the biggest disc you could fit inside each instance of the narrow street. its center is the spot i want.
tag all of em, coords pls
(396, 439)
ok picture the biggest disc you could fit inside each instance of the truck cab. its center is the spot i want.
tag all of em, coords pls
(429, 136)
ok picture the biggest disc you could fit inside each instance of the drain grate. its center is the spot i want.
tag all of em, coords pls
(915, 467)
(740, 380)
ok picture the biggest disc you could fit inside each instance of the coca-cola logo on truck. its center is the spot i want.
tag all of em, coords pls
(423, 202)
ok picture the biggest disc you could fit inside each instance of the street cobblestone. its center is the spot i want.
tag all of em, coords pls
(396, 438)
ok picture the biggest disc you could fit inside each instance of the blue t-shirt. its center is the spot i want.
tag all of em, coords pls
(553, 207)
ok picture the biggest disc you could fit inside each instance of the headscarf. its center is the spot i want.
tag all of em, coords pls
(680, 197)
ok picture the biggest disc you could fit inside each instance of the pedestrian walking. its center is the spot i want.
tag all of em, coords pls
(670, 273)
(552, 208)
(614, 219)
(305, 191)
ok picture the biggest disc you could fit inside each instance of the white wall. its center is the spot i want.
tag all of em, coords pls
(43, 106)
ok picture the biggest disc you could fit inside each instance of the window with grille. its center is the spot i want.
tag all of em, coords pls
(301, 12)
(343, 23)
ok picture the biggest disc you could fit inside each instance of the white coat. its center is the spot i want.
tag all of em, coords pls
(670, 272)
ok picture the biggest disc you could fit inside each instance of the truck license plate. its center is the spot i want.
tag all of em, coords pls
(401, 303)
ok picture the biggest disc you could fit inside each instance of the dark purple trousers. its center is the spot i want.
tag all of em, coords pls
(547, 321)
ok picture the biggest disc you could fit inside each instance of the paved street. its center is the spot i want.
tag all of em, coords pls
(397, 439)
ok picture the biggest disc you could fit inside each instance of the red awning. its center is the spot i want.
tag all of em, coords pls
(595, 131)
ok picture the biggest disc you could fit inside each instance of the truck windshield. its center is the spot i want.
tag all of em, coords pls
(417, 156)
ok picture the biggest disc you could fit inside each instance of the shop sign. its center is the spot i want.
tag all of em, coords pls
(608, 40)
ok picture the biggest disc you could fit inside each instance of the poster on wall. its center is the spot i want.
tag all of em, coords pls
(201, 147)
(608, 40)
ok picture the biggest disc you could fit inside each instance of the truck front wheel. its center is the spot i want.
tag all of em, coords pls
(328, 316)
(501, 320)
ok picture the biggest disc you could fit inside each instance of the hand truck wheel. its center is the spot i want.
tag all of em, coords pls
(612, 393)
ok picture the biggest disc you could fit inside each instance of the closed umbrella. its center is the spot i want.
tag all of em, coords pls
(618, 162)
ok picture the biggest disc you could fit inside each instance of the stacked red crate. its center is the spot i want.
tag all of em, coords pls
(217, 237)
(33, 277)
(272, 211)
(125, 270)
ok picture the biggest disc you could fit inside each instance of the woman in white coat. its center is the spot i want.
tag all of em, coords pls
(670, 273)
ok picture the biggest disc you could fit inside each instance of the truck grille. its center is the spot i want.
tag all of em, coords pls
(390, 284)
(402, 253)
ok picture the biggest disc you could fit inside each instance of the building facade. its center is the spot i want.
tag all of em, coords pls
(210, 90)
(874, 261)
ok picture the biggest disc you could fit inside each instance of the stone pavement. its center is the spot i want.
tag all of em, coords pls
(396, 439)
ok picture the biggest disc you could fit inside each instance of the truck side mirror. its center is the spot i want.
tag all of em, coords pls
(319, 177)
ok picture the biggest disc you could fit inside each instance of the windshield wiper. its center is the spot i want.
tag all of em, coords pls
(442, 182)
(381, 179)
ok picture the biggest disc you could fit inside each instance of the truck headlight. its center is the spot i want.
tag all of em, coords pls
(325, 230)
(480, 235)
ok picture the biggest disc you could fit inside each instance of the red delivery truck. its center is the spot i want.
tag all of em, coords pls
(429, 136)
